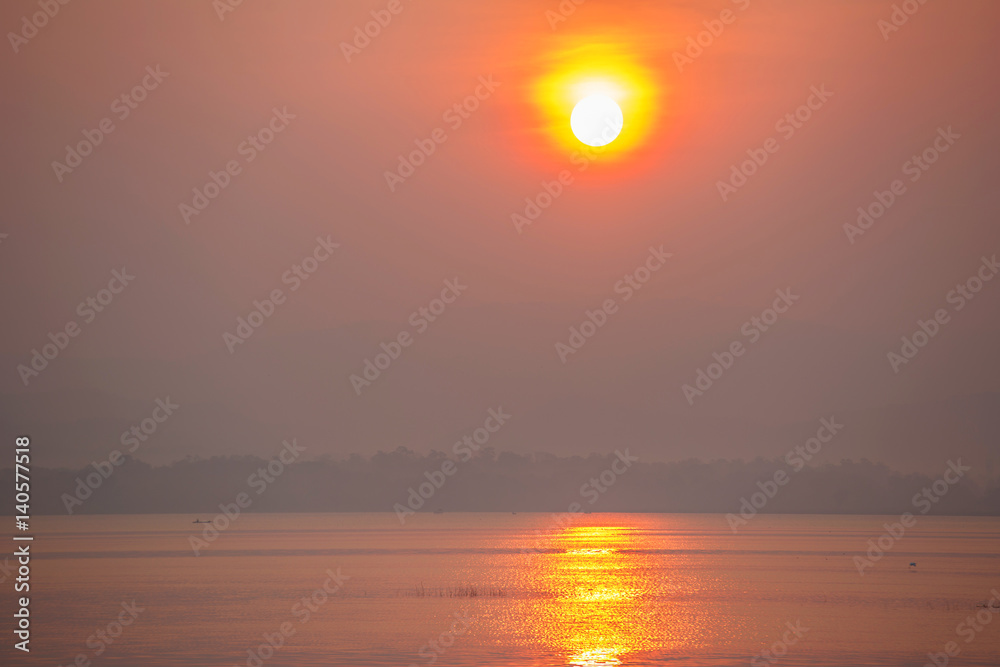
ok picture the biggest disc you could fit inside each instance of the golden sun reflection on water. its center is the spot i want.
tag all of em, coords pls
(621, 593)
(597, 589)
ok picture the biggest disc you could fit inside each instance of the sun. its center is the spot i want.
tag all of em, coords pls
(597, 120)
(589, 89)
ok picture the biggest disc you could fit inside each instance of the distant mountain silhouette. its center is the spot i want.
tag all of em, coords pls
(499, 481)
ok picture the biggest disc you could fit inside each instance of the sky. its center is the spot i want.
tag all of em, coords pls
(334, 113)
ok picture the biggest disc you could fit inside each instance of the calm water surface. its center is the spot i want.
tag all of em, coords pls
(501, 589)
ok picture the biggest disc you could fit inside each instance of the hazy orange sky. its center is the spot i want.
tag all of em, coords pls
(324, 174)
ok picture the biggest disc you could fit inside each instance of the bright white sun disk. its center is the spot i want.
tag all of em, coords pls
(597, 120)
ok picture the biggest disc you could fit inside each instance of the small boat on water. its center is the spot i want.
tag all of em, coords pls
(200, 521)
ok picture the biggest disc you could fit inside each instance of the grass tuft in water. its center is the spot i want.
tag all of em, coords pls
(464, 591)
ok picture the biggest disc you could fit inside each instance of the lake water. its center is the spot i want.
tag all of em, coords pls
(502, 589)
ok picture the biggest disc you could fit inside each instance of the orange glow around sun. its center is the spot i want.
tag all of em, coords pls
(596, 68)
